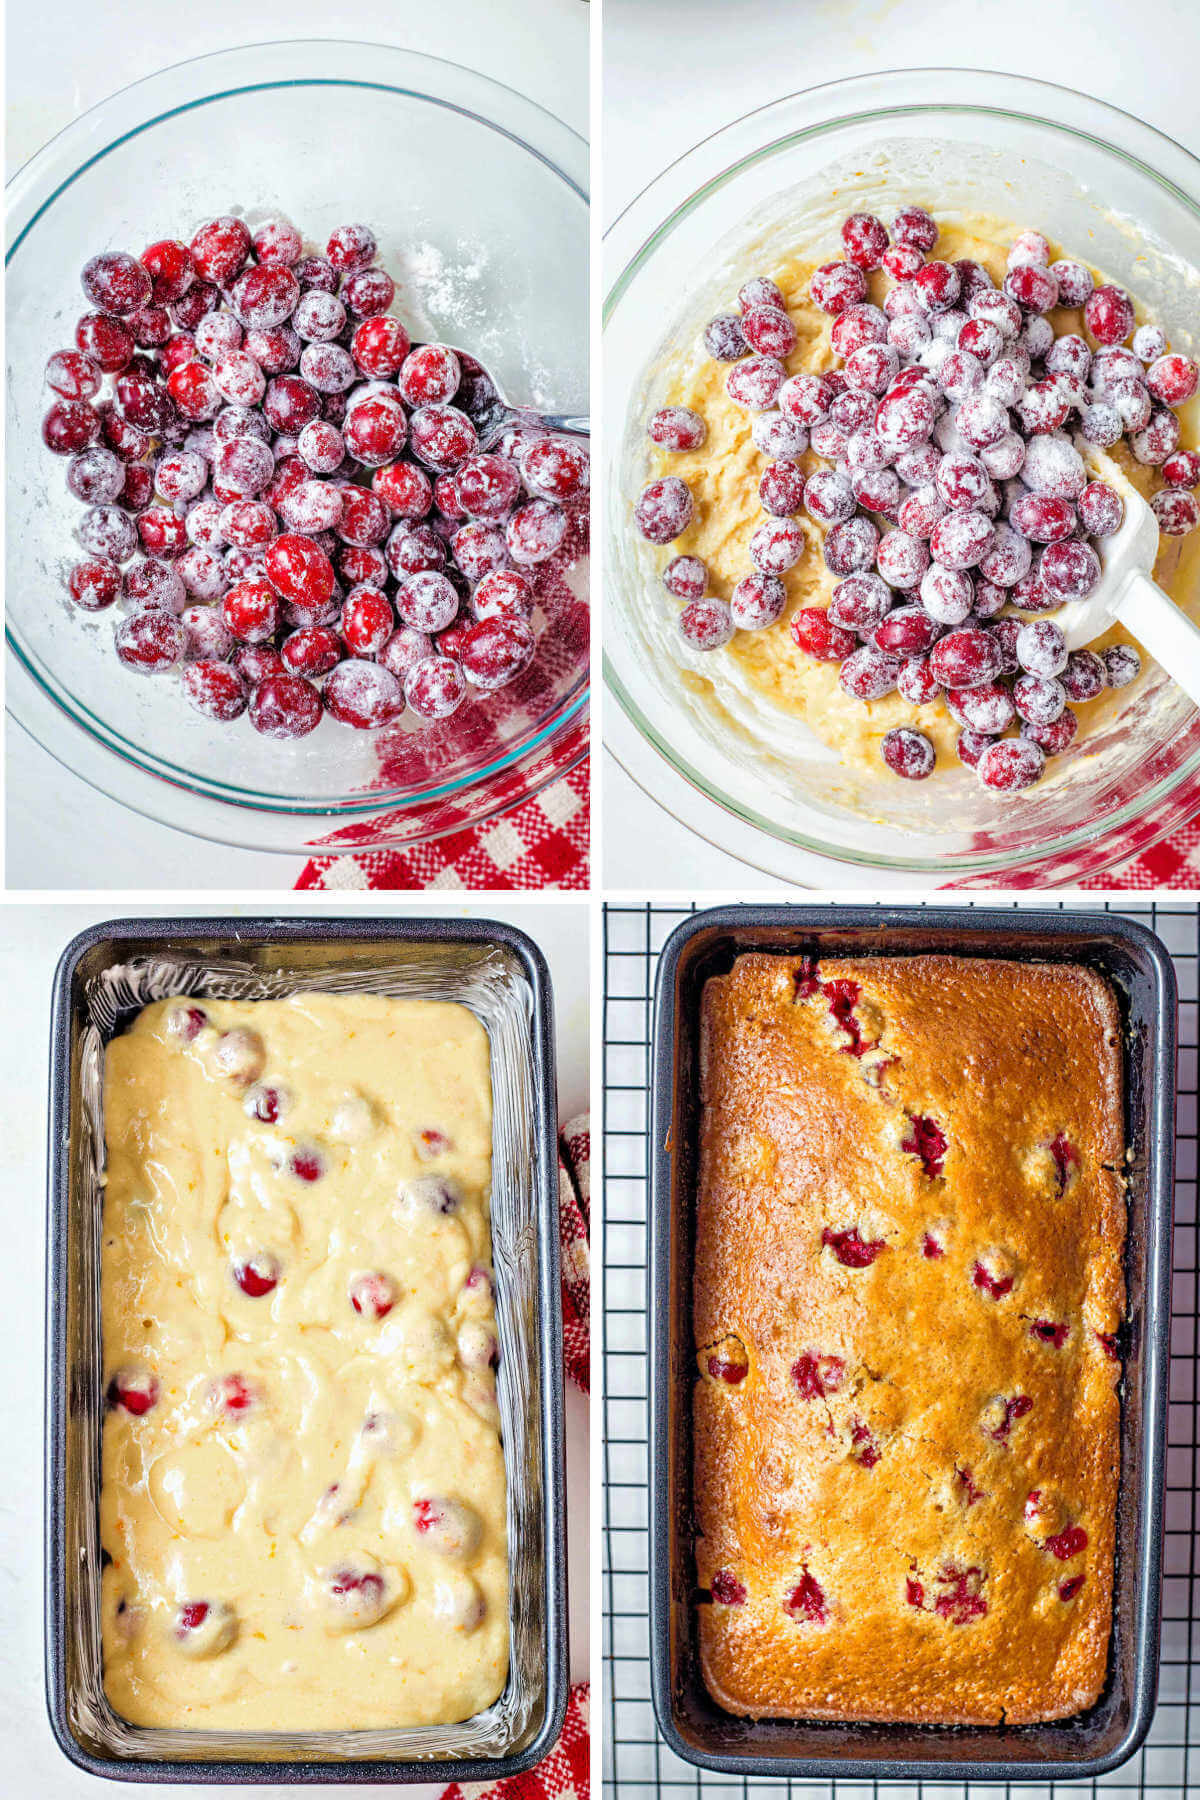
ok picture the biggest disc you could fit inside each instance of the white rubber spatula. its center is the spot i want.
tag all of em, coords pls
(1128, 591)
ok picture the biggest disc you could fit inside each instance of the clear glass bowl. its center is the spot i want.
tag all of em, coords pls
(479, 200)
(1098, 181)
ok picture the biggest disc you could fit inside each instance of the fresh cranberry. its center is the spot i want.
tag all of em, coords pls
(255, 662)
(1177, 512)
(116, 282)
(1011, 764)
(1070, 570)
(350, 248)
(285, 706)
(815, 633)
(150, 641)
(1181, 470)
(106, 341)
(367, 292)
(865, 239)
(300, 571)
(868, 673)
(312, 650)
(258, 1275)
(908, 753)
(1109, 315)
(848, 548)
(364, 695)
(1159, 440)
(215, 689)
(915, 227)
(380, 347)
(94, 585)
(251, 611)
(435, 687)
(494, 651)
(664, 510)
(405, 489)
(265, 296)
(220, 248)
(938, 286)
(837, 286)
(905, 417)
(70, 426)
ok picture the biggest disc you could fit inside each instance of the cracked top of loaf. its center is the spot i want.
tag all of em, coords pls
(908, 1293)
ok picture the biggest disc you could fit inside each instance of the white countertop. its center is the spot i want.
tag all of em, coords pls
(64, 59)
(31, 940)
(675, 72)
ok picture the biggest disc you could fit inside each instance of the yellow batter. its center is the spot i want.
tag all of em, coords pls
(724, 474)
(306, 1524)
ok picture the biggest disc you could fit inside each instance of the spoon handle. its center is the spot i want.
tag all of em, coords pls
(568, 423)
(1166, 632)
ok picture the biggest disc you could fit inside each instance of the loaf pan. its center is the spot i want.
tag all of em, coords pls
(1140, 970)
(105, 976)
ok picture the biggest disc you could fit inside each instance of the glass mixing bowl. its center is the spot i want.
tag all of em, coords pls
(479, 201)
(1094, 179)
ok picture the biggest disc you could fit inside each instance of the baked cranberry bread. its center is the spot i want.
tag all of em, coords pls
(908, 1287)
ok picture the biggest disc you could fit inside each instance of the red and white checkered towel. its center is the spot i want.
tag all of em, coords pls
(543, 843)
(564, 1774)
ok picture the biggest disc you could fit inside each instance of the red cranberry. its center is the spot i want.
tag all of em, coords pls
(1042, 518)
(535, 532)
(380, 346)
(70, 426)
(1039, 699)
(815, 1376)
(865, 239)
(1181, 470)
(215, 689)
(677, 428)
(987, 709)
(265, 296)
(363, 695)
(1070, 570)
(150, 641)
(367, 292)
(966, 659)
(1055, 737)
(726, 1589)
(1032, 287)
(829, 497)
(848, 547)
(154, 584)
(1158, 440)
(73, 375)
(96, 476)
(769, 330)
(285, 706)
(275, 349)
(1011, 764)
(405, 489)
(232, 1394)
(220, 248)
(258, 1275)
(1109, 315)
(507, 594)
(208, 637)
(116, 282)
(781, 489)
(868, 673)
(724, 339)
(806, 1601)
(938, 286)
(255, 662)
(373, 1295)
(134, 1390)
(251, 611)
(435, 687)
(300, 570)
(814, 632)
(312, 650)
(1177, 512)
(756, 382)
(427, 601)
(860, 603)
(838, 285)
(664, 510)
(1041, 648)
(915, 227)
(757, 602)
(486, 486)
(806, 398)
(411, 548)
(857, 327)
(909, 631)
(350, 248)
(243, 466)
(908, 753)
(106, 341)
(94, 585)
(494, 651)
(905, 417)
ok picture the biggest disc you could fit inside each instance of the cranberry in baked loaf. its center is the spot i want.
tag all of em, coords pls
(908, 1289)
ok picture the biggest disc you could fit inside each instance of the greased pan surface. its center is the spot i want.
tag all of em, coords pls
(1140, 970)
(105, 976)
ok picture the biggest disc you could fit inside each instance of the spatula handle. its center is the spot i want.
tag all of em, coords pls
(1167, 633)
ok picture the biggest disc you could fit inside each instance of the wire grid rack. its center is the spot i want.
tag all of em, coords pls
(636, 1760)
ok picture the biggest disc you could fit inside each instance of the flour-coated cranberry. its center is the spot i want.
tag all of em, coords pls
(480, 547)
(202, 298)
(1122, 664)
(278, 241)
(1177, 511)
(203, 573)
(871, 369)
(781, 489)
(311, 650)
(494, 651)
(1102, 425)
(961, 540)
(507, 594)
(69, 427)
(362, 566)
(1042, 518)
(919, 512)
(208, 638)
(1181, 470)
(1132, 401)
(217, 335)
(1158, 440)
(1041, 648)
(285, 706)
(760, 290)
(404, 650)
(1083, 678)
(997, 309)
(1031, 594)
(820, 637)
(907, 632)
(250, 524)
(901, 559)
(367, 621)
(869, 673)
(724, 339)
(180, 475)
(96, 476)
(982, 339)
(838, 285)
(938, 286)
(108, 532)
(350, 248)
(290, 403)
(851, 412)
(970, 746)
(94, 585)
(405, 489)
(966, 658)
(1075, 282)
(987, 709)
(265, 296)
(363, 694)
(300, 570)
(910, 333)
(1109, 316)
(172, 270)
(379, 347)
(878, 491)
(362, 518)
(757, 602)
(914, 226)
(1010, 765)
(865, 238)
(1173, 380)
(908, 753)
(861, 602)
(435, 687)
(105, 340)
(255, 662)
(1054, 738)
(901, 261)
(318, 317)
(829, 497)
(234, 422)
(486, 486)
(251, 611)
(664, 510)
(857, 327)
(848, 547)
(162, 533)
(1008, 559)
(677, 428)
(243, 466)
(959, 374)
(1070, 570)
(1032, 287)
(427, 601)
(769, 331)
(116, 282)
(73, 375)
(1054, 467)
(989, 599)
(311, 507)
(1039, 699)
(150, 641)
(220, 248)
(1044, 406)
(442, 437)
(905, 417)
(276, 349)
(367, 293)
(214, 689)
(756, 382)
(411, 548)
(1149, 343)
(947, 595)
(138, 487)
(917, 682)
(806, 398)
(961, 480)
(154, 584)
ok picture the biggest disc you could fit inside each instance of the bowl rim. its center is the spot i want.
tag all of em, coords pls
(71, 142)
(774, 842)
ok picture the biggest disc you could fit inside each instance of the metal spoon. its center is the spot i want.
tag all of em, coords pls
(492, 412)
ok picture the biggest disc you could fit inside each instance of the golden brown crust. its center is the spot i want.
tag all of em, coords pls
(880, 1451)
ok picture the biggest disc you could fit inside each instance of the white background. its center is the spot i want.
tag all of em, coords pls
(31, 942)
(677, 70)
(64, 57)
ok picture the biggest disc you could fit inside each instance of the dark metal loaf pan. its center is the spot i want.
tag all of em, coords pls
(104, 978)
(1140, 970)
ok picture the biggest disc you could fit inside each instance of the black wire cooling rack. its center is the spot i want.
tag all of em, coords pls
(636, 1760)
